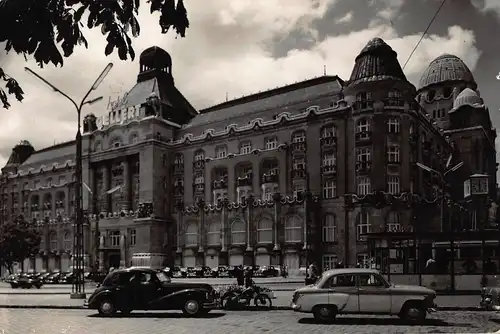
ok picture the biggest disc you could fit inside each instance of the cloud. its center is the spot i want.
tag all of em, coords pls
(346, 18)
(225, 50)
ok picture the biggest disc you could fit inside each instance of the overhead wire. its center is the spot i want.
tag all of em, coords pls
(424, 33)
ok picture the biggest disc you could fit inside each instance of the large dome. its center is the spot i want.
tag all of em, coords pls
(467, 97)
(376, 62)
(446, 68)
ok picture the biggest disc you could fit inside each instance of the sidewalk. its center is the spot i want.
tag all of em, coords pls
(282, 301)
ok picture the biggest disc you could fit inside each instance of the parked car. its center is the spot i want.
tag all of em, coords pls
(199, 271)
(178, 272)
(130, 289)
(67, 278)
(26, 281)
(362, 291)
(190, 272)
(43, 276)
(220, 271)
(268, 271)
(53, 278)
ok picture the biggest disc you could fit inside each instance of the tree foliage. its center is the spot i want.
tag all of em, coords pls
(44, 28)
(18, 241)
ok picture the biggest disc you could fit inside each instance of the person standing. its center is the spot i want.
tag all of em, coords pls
(240, 275)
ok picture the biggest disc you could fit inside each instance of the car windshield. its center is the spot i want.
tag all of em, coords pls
(316, 282)
(163, 278)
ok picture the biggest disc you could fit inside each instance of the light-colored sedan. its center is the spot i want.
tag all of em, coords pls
(362, 291)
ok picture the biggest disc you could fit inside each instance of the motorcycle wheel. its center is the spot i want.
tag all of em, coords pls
(263, 301)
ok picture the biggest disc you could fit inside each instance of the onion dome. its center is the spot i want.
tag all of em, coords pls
(376, 62)
(446, 68)
(154, 62)
(467, 97)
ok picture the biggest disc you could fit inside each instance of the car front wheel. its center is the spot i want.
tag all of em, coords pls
(324, 313)
(191, 308)
(106, 308)
(413, 312)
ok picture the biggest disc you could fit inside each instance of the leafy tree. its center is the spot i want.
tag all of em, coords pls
(18, 241)
(44, 28)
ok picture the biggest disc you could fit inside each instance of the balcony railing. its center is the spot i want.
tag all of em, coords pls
(363, 166)
(199, 164)
(328, 141)
(244, 181)
(221, 184)
(298, 173)
(298, 146)
(329, 169)
(270, 178)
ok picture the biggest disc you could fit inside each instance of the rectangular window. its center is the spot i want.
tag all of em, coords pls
(329, 261)
(246, 148)
(393, 125)
(363, 154)
(132, 237)
(298, 190)
(114, 238)
(330, 189)
(393, 184)
(299, 163)
(329, 159)
(364, 185)
(393, 154)
(271, 143)
(221, 152)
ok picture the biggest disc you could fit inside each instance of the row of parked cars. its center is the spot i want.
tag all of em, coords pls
(223, 271)
(37, 280)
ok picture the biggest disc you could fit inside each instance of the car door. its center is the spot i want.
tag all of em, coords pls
(374, 294)
(144, 289)
(340, 287)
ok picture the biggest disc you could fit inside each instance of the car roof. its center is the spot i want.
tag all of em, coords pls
(351, 271)
(134, 269)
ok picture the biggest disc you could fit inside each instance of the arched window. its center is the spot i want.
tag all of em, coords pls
(213, 233)
(329, 228)
(265, 231)
(293, 229)
(192, 234)
(393, 222)
(53, 241)
(67, 242)
(238, 232)
(363, 225)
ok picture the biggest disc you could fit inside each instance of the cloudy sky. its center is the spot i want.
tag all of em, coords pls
(244, 46)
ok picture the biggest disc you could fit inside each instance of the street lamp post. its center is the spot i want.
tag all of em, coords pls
(442, 178)
(78, 287)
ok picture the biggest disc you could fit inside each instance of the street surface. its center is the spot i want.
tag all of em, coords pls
(24, 321)
(35, 298)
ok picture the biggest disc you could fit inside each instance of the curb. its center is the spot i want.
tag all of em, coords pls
(274, 308)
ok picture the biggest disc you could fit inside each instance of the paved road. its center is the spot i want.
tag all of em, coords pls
(283, 298)
(85, 322)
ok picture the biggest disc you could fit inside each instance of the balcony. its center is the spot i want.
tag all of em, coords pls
(363, 137)
(298, 173)
(221, 184)
(363, 166)
(199, 164)
(245, 181)
(270, 178)
(328, 141)
(178, 168)
(328, 169)
(298, 147)
(363, 105)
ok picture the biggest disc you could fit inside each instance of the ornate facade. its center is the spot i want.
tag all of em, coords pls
(258, 180)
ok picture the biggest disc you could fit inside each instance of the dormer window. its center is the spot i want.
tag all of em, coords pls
(116, 143)
(271, 143)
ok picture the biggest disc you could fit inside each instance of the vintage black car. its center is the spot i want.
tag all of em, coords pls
(191, 272)
(268, 271)
(53, 278)
(130, 289)
(67, 278)
(26, 281)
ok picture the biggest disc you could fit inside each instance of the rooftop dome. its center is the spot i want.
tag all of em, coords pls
(20, 153)
(446, 68)
(467, 97)
(377, 61)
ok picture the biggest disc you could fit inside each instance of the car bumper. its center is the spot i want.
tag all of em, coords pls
(295, 307)
(210, 305)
